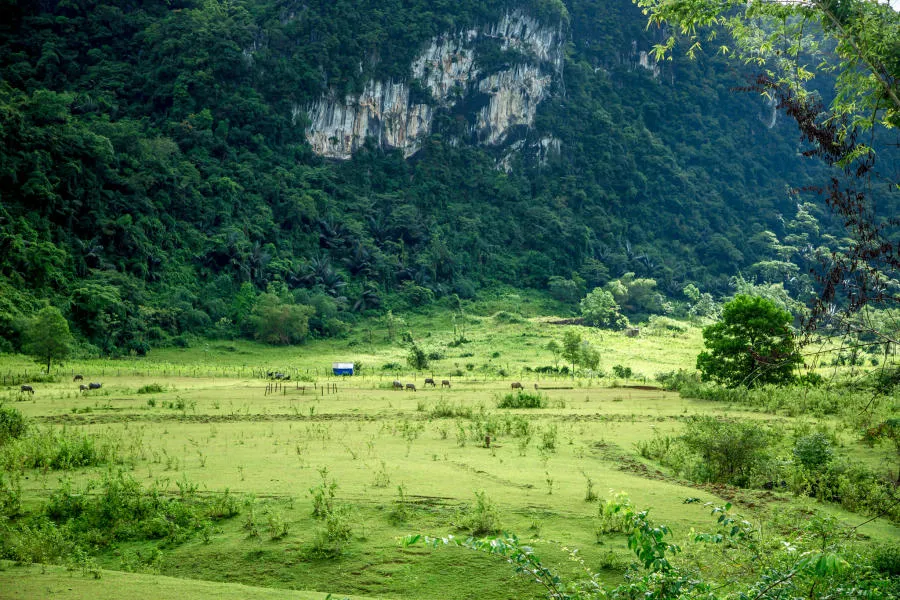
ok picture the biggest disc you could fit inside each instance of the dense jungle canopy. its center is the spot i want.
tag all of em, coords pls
(156, 181)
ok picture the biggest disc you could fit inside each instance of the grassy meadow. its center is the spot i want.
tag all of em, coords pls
(204, 426)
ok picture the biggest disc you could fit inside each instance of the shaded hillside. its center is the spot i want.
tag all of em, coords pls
(156, 177)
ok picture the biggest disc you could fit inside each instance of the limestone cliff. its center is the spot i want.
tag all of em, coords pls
(449, 69)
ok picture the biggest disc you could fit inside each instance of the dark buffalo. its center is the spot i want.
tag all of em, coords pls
(78, 378)
(26, 388)
(95, 386)
(429, 380)
(516, 386)
(411, 386)
(397, 385)
(445, 383)
(82, 388)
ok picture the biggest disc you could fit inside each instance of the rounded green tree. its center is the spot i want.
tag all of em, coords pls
(47, 337)
(751, 345)
(599, 308)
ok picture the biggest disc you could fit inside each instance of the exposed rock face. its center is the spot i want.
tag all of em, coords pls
(382, 111)
(515, 95)
(448, 69)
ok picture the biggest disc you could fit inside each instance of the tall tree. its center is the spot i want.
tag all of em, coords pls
(572, 348)
(752, 345)
(47, 337)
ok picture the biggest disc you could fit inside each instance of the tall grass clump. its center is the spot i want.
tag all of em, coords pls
(151, 388)
(523, 400)
(104, 512)
(51, 449)
(483, 517)
(447, 410)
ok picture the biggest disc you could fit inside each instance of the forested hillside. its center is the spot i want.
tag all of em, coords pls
(156, 179)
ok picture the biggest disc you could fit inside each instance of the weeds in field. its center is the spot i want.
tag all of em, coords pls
(481, 518)
(382, 478)
(151, 388)
(323, 495)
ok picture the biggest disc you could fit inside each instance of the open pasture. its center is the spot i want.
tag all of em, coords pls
(323, 476)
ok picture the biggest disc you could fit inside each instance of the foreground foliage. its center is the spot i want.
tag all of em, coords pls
(821, 561)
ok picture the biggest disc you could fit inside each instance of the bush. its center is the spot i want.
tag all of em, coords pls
(731, 451)
(523, 400)
(675, 380)
(483, 518)
(508, 317)
(813, 451)
(445, 410)
(151, 388)
(886, 559)
(12, 424)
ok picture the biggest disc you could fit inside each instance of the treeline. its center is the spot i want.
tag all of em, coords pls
(155, 179)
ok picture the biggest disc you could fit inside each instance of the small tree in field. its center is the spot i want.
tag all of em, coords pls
(554, 348)
(47, 337)
(751, 345)
(572, 348)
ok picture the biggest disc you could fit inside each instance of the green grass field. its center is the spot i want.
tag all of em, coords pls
(403, 462)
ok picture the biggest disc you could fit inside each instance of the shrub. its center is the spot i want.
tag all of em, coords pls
(674, 380)
(483, 518)
(886, 559)
(523, 400)
(731, 450)
(12, 424)
(151, 388)
(445, 410)
(813, 451)
(508, 317)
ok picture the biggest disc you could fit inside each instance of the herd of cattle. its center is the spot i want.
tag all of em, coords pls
(428, 381)
(280, 376)
(27, 389)
(398, 385)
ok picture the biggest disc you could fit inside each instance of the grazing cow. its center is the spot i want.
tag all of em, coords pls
(279, 375)
(397, 385)
(95, 386)
(445, 383)
(26, 388)
(411, 386)
(82, 388)
(78, 378)
(286, 378)
(535, 386)
(429, 380)
(516, 386)
(270, 374)
(633, 331)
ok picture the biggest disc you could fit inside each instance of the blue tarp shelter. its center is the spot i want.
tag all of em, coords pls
(340, 368)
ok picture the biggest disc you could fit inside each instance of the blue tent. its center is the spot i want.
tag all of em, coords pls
(342, 368)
